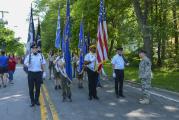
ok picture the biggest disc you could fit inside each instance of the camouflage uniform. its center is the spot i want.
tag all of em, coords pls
(66, 91)
(145, 76)
(65, 82)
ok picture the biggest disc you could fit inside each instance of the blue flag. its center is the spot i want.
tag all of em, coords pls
(81, 36)
(68, 65)
(31, 33)
(38, 36)
(81, 47)
(63, 41)
(57, 41)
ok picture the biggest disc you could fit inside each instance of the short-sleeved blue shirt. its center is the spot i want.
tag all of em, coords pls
(3, 61)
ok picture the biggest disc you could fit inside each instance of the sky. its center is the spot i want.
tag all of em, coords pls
(17, 17)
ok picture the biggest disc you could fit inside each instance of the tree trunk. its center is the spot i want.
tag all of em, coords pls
(145, 28)
(175, 29)
(164, 32)
(157, 14)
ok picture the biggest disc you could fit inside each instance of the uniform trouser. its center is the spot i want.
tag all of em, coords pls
(119, 81)
(74, 70)
(34, 80)
(146, 85)
(51, 68)
(66, 91)
(92, 81)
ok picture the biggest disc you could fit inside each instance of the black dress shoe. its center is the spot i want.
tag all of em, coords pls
(100, 86)
(96, 97)
(122, 96)
(117, 96)
(70, 100)
(64, 99)
(56, 87)
(90, 98)
(32, 105)
(37, 103)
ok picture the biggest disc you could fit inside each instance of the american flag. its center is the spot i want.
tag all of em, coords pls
(102, 47)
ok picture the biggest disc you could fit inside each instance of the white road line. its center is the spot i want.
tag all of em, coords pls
(156, 94)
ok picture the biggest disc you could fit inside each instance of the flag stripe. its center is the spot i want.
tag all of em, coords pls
(102, 48)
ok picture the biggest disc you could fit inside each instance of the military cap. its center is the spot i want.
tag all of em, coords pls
(119, 48)
(92, 46)
(142, 51)
(33, 45)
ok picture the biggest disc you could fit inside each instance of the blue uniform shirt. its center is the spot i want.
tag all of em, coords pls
(36, 62)
(3, 61)
(118, 62)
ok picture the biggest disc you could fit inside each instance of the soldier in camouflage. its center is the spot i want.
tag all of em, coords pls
(145, 77)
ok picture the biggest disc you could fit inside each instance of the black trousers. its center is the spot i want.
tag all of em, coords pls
(34, 80)
(92, 81)
(119, 81)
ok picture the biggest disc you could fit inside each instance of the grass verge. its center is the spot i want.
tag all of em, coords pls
(162, 79)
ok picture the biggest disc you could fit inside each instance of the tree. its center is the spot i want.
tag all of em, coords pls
(142, 18)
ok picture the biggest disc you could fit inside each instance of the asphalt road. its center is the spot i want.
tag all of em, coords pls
(164, 106)
(14, 100)
(14, 103)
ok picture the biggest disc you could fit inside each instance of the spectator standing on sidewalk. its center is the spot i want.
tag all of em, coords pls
(3, 69)
(145, 74)
(11, 67)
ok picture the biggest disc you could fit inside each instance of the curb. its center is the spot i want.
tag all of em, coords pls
(154, 88)
(132, 83)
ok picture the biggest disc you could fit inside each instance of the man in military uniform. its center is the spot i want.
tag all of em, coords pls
(90, 61)
(36, 66)
(145, 77)
(119, 62)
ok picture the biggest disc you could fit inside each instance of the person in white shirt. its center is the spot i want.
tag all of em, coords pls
(36, 66)
(119, 62)
(90, 61)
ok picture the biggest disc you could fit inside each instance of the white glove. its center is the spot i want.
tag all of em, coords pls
(44, 75)
(127, 64)
(114, 75)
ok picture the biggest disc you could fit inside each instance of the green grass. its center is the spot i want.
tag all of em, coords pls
(161, 78)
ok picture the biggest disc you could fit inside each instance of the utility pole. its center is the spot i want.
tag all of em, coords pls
(2, 18)
(2, 12)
